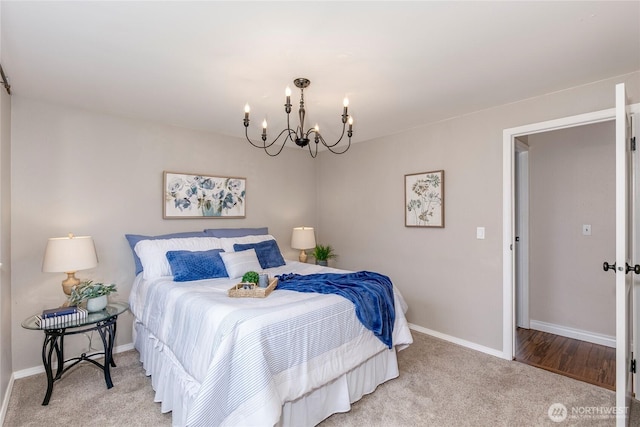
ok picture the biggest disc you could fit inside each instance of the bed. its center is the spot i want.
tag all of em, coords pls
(292, 358)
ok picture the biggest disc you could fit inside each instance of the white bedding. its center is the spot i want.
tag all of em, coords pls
(216, 360)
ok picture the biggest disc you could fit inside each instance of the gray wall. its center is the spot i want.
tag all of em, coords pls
(5, 241)
(6, 367)
(452, 281)
(572, 173)
(99, 175)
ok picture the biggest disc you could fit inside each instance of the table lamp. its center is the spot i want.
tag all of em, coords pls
(303, 238)
(68, 255)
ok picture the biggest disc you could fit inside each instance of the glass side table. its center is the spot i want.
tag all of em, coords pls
(103, 321)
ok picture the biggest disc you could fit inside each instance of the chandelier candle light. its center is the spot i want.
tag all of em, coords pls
(299, 136)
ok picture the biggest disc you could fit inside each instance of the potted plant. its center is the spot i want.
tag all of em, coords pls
(250, 277)
(94, 293)
(323, 254)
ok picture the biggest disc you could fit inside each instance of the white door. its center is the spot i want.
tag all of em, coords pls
(635, 245)
(521, 247)
(624, 230)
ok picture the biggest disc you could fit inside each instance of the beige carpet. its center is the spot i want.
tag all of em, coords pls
(440, 384)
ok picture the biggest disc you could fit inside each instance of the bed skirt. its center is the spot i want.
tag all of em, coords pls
(176, 390)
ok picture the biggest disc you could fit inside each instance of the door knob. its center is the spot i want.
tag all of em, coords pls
(635, 268)
(606, 266)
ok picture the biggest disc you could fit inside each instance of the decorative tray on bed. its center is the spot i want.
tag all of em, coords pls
(251, 290)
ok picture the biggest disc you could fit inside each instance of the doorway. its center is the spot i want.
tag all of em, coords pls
(565, 303)
(509, 232)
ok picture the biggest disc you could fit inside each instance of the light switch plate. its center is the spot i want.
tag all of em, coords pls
(480, 233)
(586, 229)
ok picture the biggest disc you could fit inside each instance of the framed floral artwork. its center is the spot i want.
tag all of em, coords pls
(424, 199)
(203, 196)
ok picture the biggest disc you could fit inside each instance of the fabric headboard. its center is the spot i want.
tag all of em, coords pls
(236, 232)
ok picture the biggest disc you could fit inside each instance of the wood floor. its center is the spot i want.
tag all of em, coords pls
(584, 361)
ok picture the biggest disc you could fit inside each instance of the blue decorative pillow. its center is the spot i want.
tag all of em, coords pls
(236, 232)
(268, 252)
(196, 265)
(135, 238)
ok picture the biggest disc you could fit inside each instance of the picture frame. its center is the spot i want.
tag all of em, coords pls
(424, 199)
(203, 196)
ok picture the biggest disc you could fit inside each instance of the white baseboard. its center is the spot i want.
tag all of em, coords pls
(459, 341)
(40, 369)
(565, 331)
(5, 401)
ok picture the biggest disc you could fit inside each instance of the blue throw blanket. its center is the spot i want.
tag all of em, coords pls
(371, 293)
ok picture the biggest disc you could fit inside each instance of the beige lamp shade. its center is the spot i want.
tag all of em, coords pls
(68, 255)
(303, 238)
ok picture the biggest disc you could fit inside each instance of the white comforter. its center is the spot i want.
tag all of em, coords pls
(246, 357)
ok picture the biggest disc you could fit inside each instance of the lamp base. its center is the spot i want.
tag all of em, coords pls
(70, 282)
(303, 256)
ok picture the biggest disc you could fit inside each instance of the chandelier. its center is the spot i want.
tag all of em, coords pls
(299, 136)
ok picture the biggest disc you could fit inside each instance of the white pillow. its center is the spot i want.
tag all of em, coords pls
(228, 242)
(153, 253)
(238, 263)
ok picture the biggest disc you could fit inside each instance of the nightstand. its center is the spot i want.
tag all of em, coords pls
(103, 321)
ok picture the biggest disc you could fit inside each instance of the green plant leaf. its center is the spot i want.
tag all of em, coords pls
(251, 277)
(88, 289)
(324, 252)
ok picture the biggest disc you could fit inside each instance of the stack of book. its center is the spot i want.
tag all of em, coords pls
(60, 316)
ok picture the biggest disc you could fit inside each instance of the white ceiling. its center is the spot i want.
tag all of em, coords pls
(402, 64)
